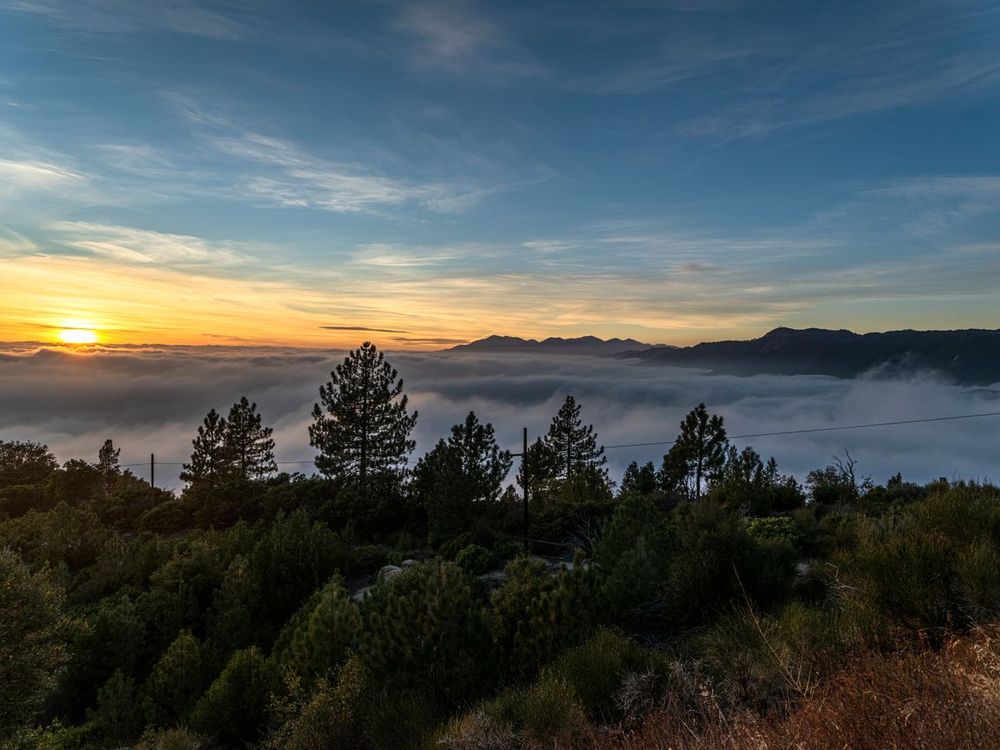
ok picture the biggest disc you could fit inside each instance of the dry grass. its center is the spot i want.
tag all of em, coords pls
(948, 699)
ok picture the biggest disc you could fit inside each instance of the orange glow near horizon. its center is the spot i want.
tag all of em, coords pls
(80, 301)
(77, 336)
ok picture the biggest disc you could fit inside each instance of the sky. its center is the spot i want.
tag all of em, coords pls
(420, 174)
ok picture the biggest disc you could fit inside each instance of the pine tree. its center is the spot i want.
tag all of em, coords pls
(248, 444)
(573, 446)
(362, 429)
(210, 461)
(539, 469)
(639, 480)
(176, 681)
(107, 465)
(458, 474)
(700, 448)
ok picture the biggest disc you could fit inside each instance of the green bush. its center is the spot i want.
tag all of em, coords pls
(780, 528)
(167, 517)
(450, 549)
(367, 558)
(595, 668)
(424, 630)
(172, 739)
(233, 708)
(929, 568)
(476, 560)
(323, 639)
(33, 634)
(760, 660)
(176, 682)
(330, 717)
(117, 717)
(546, 712)
(21, 498)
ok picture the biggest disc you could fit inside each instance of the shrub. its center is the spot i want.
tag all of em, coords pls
(424, 630)
(322, 640)
(233, 708)
(329, 718)
(762, 661)
(33, 632)
(709, 547)
(931, 567)
(779, 528)
(475, 560)
(176, 682)
(172, 739)
(18, 499)
(534, 615)
(477, 731)
(547, 712)
(450, 549)
(366, 558)
(595, 669)
(117, 717)
(167, 517)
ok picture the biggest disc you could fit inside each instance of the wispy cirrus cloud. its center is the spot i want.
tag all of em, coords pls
(204, 18)
(278, 172)
(362, 328)
(123, 244)
(36, 175)
(461, 38)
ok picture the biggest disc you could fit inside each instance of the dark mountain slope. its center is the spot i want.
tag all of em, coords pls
(967, 356)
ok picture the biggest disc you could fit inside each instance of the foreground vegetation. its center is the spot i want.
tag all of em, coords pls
(710, 602)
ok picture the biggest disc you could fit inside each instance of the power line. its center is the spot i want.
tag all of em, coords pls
(823, 429)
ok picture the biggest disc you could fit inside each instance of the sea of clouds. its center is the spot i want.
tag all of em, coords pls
(151, 400)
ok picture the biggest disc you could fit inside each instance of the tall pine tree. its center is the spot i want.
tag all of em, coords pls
(249, 446)
(572, 445)
(700, 449)
(361, 427)
(209, 460)
(107, 465)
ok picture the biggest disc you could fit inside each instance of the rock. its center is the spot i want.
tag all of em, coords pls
(493, 579)
(409, 563)
(361, 594)
(388, 572)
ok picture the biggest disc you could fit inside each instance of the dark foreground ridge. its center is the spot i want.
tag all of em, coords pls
(970, 356)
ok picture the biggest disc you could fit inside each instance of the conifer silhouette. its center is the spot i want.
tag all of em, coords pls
(700, 448)
(573, 445)
(209, 460)
(249, 446)
(107, 465)
(361, 426)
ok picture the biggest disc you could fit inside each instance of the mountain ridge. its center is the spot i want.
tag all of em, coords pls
(968, 356)
(588, 345)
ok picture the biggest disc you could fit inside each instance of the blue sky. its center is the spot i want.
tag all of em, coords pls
(430, 172)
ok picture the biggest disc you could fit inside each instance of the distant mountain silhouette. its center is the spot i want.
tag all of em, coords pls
(590, 345)
(970, 356)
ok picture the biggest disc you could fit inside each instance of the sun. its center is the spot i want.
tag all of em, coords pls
(78, 336)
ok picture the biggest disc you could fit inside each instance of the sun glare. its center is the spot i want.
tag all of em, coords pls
(78, 336)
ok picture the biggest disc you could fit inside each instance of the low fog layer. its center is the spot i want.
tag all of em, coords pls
(151, 399)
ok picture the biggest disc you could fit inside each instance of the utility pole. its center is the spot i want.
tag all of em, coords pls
(524, 488)
(152, 469)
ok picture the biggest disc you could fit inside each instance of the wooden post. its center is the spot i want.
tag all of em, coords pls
(152, 469)
(524, 478)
